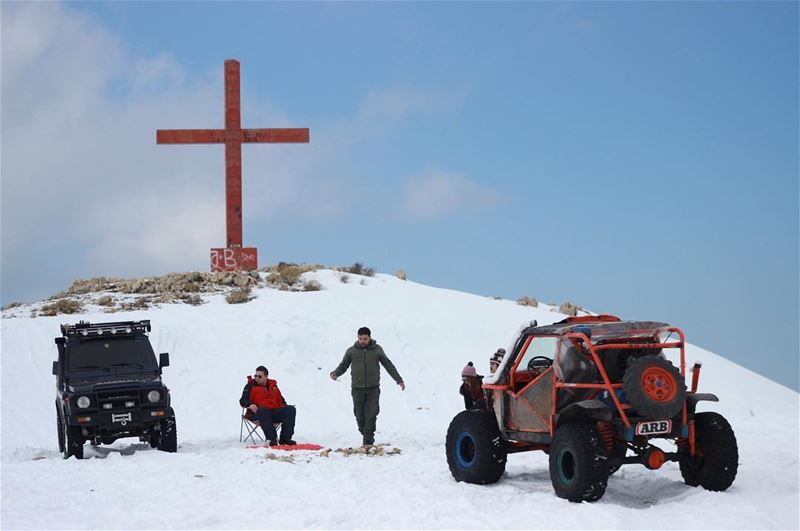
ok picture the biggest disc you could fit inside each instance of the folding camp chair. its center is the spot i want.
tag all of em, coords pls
(251, 424)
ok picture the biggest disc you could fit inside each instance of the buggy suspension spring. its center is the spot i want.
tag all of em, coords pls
(606, 434)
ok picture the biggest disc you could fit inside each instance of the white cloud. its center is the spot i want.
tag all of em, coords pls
(80, 165)
(436, 194)
(80, 169)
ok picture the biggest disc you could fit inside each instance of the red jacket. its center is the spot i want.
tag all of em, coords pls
(266, 396)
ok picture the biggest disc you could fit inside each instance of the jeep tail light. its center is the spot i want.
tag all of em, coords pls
(84, 419)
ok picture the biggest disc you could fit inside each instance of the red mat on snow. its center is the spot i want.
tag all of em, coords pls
(289, 446)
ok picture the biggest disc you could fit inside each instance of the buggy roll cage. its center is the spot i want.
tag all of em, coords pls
(593, 349)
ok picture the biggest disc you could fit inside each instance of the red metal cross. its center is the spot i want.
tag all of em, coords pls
(232, 136)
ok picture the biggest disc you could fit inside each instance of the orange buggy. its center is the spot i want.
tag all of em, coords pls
(594, 392)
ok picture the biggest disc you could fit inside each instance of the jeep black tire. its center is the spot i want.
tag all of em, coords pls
(168, 436)
(475, 451)
(654, 387)
(578, 463)
(716, 459)
(73, 441)
(60, 430)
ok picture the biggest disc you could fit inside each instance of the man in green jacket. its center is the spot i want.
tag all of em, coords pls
(364, 356)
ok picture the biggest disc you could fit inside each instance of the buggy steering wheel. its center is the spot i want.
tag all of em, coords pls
(533, 366)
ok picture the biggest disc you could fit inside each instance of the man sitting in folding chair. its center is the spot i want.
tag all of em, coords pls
(263, 402)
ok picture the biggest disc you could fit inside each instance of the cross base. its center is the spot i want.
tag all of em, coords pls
(234, 259)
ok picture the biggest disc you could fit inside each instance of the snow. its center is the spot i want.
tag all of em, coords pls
(429, 333)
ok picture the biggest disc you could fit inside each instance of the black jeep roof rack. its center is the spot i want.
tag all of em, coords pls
(120, 328)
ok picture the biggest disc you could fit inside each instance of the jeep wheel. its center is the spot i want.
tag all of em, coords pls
(475, 452)
(73, 441)
(654, 387)
(60, 430)
(168, 438)
(578, 463)
(716, 459)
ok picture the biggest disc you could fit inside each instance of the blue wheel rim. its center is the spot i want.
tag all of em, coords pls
(570, 463)
(464, 441)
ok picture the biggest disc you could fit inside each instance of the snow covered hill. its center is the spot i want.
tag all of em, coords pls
(429, 333)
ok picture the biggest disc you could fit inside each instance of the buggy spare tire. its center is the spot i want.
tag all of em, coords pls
(654, 387)
(475, 451)
(716, 458)
(578, 463)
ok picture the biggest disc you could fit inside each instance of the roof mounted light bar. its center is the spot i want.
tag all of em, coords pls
(121, 328)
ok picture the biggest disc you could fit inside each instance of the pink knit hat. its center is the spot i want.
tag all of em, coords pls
(469, 370)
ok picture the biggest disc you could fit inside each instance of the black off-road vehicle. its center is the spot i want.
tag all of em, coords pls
(109, 386)
(595, 393)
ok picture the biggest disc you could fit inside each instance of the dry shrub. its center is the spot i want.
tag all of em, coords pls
(67, 306)
(105, 300)
(401, 274)
(194, 300)
(11, 305)
(344, 278)
(567, 308)
(290, 275)
(528, 301)
(238, 296)
(139, 303)
(311, 285)
(359, 269)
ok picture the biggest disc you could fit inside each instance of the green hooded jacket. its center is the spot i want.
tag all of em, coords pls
(365, 371)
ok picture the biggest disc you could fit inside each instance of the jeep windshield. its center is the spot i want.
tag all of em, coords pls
(107, 355)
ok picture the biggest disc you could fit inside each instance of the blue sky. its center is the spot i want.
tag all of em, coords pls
(634, 158)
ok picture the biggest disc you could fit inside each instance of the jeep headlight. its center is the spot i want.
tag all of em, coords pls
(154, 396)
(83, 402)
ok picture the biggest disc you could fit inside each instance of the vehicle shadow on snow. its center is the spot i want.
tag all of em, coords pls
(643, 493)
(101, 452)
(630, 492)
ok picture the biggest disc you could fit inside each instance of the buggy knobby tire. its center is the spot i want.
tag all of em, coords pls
(168, 436)
(578, 463)
(716, 459)
(73, 441)
(654, 387)
(475, 451)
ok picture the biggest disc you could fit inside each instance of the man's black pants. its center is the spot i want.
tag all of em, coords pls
(285, 415)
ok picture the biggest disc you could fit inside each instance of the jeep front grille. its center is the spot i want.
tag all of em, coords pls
(119, 399)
